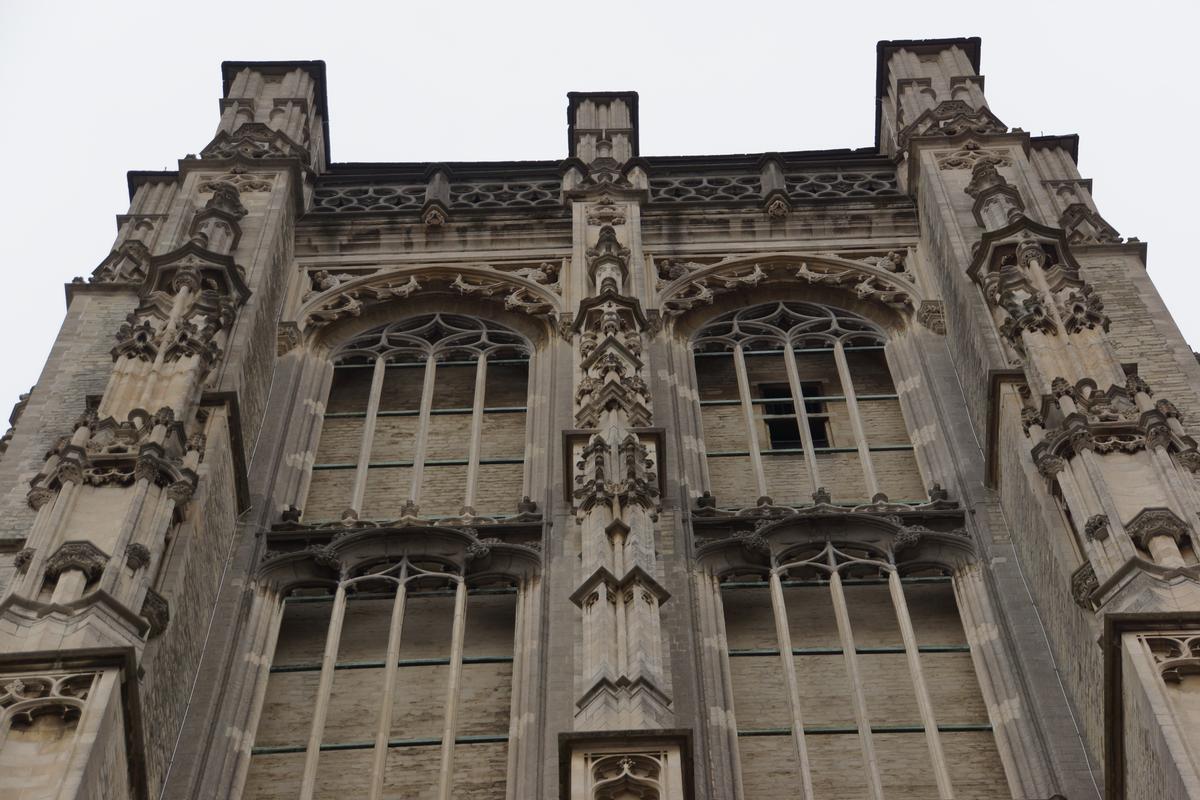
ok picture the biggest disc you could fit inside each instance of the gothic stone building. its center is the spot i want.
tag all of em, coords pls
(823, 474)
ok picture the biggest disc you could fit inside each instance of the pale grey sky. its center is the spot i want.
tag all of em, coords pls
(95, 89)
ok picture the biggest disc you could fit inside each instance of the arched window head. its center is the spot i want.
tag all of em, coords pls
(799, 406)
(440, 336)
(425, 419)
(774, 325)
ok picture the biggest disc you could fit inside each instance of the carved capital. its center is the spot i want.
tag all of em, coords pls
(82, 556)
(1152, 522)
(932, 314)
(180, 492)
(156, 611)
(1096, 527)
(137, 555)
(1049, 465)
(22, 558)
(38, 496)
(1083, 584)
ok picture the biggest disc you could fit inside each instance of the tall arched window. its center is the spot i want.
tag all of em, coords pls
(426, 417)
(797, 397)
(849, 673)
(399, 657)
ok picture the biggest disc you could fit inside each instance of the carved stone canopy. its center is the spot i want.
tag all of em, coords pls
(197, 268)
(82, 556)
(458, 550)
(254, 141)
(1151, 522)
(904, 540)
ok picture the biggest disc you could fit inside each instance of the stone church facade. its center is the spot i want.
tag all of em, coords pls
(827, 474)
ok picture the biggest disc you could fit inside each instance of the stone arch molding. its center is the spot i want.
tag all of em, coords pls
(886, 541)
(371, 553)
(685, 285)
(528, 288)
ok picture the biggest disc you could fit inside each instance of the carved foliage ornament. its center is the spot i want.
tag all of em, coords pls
(687, 285)
(528, 288)
(82, 556)
(1083, 584)
(1151, 522)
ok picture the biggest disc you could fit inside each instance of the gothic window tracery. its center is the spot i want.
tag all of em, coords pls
(799, 397)
(851, 672)
(426, 417)
(398, 655)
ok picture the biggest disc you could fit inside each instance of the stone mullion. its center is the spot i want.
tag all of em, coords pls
(161, 519)
(912, 653)
(801, 412)
(735, 758)
(1113, 550)
(333, 639)
(528, 764)
(1017, 740)
(856, 425)
(391, 666)
(362, 467)
(536, 413)
(476, 435)
(299, 452)
(519, 690)
(783, 636)
(453, 687)
(857, 696)
(422, 438)
(684, 356)
(44, 527)
(262, 634)
(134, 513)
(908, 366)
(756, 462)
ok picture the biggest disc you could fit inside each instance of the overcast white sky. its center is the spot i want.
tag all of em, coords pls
(95, 89)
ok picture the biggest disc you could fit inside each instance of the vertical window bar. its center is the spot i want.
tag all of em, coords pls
(518, 690)
(784, 637)
(476, 434)
(870, 763)
(727, 679)
(419, 447)
(801, 410)
(333, 638)
(452, 691)
(739, 361)
(940, 773)
(860, 435)
(368, 436)
(391, 666)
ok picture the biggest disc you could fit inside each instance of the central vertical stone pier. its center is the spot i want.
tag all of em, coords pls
(621, 683)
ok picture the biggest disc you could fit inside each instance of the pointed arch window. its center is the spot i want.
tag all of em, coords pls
(796, 399)
(425, 417)
(848, 664)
